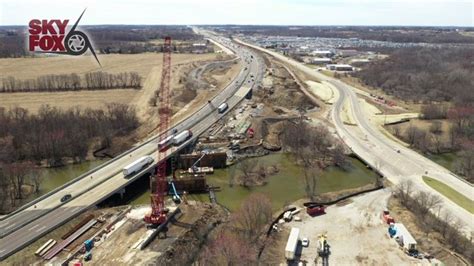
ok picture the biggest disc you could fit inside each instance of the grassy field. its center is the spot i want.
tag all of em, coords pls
(450, 193)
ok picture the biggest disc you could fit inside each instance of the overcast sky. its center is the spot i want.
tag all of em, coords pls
(275, 12)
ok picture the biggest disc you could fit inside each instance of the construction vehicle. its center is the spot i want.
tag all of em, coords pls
(387, 217)
(181, 137)
(137, 165)
(323, 246)
(315, 210)
(292, 243)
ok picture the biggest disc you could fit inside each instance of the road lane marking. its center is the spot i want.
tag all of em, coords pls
(34, 226)
(41, 228)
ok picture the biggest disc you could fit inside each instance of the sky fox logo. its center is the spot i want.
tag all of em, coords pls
(51, 36)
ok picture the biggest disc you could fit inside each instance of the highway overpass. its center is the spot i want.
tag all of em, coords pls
(39, 217)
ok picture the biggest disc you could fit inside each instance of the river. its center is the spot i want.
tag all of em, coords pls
(282, 188)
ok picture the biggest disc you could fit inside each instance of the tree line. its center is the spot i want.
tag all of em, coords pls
(53, 135)
(429, 214)
(389, 34)
(458, 138)
(424, 74)
(73, 82)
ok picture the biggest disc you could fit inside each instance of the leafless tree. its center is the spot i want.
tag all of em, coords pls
(311, 180)
(247, 167)
(227, 248)
(253, 216)
(404, 190)
(426, 202)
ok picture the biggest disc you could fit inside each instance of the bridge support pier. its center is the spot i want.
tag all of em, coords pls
(122, 192)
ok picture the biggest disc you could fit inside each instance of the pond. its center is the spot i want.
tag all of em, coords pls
(288, 184)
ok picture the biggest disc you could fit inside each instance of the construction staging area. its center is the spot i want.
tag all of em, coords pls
(354, 230)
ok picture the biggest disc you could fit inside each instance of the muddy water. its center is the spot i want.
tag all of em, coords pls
(284, 187)
(55, 177)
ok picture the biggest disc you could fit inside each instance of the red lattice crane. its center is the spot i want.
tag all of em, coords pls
(158, 183)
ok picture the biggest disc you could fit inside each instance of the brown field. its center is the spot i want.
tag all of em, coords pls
(147, 65)
(64, 100)
(27, 68)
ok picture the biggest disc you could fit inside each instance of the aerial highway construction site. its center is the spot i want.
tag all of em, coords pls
(233, 145)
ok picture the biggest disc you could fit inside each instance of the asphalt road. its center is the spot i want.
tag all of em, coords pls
(24, 227)
(382, 153)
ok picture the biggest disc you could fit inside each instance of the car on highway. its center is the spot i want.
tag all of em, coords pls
(305, 242)
(66, 197)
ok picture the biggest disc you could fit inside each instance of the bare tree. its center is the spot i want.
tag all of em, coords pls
(311, 180)
(426, 202)
(246, 167)
(253, 216)
(404, 190)
(228, 249)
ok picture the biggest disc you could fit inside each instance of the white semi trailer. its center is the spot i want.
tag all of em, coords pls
(292, 243)
(181, 137)
(165, 143)
(137, 165)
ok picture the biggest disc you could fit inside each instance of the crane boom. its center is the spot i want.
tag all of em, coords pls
(158, 182)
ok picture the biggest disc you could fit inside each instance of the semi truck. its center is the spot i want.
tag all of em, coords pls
(222, 107)
(292, 243)
(137, 165)
(166, 142)
(181, 137)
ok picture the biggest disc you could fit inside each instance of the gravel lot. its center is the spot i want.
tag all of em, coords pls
(355, 233)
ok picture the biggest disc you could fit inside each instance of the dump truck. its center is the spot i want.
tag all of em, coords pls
(222, 107)
(292, 243)
(181, 137)
(137, 165)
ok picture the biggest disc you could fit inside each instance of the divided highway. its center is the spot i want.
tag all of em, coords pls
(30, 223)
(380, 152)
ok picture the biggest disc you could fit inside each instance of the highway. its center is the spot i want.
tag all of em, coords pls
(381, 152)
(36, 219)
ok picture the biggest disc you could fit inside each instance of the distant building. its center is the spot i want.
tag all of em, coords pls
(322, 53)
(347, 53)
(359, 62)
(340, 67)
(321, 60)
(199, 48)
(404, 238)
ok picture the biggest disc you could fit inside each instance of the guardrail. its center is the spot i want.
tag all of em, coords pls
(31, 203)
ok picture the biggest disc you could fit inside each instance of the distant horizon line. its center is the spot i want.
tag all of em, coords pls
(269, 25)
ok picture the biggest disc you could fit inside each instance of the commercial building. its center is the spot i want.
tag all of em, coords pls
(319, 53)
(340, 67)
(321, 61)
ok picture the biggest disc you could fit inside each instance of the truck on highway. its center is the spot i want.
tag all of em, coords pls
(222, 107)
(181, 137)
(292, 243)
(166, 142)
(137, 165)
